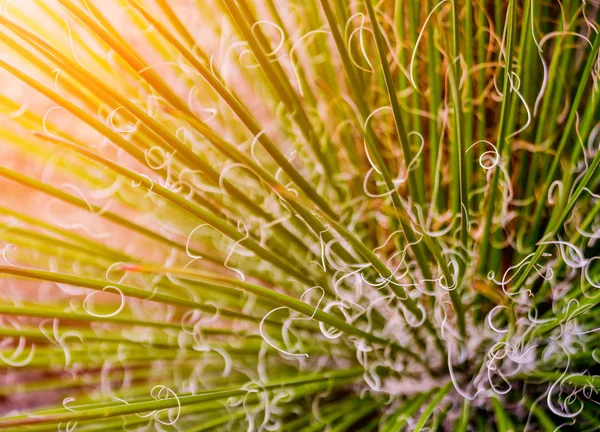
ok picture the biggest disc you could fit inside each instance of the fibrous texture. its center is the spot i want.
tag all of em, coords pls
(339, 215)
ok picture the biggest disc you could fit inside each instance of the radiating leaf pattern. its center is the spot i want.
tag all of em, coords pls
(299, 215)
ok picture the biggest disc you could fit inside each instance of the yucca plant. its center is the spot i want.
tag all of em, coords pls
(299, 215)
